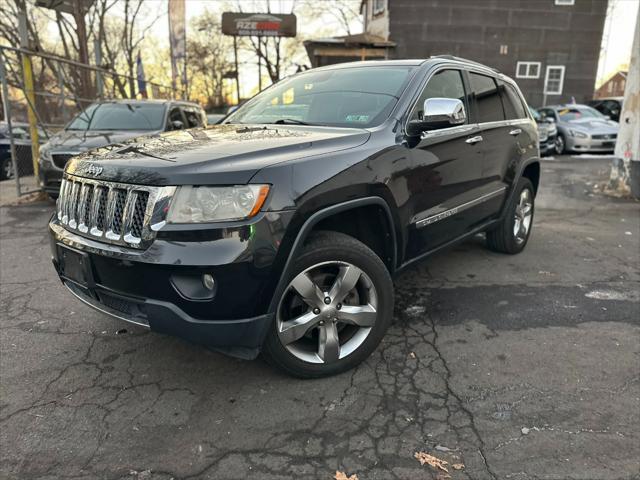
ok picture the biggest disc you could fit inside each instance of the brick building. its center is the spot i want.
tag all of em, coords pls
(551, 47)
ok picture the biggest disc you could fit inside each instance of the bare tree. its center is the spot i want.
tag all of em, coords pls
(208, 52)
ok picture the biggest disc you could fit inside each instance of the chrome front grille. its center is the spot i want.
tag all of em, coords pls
(119, 213)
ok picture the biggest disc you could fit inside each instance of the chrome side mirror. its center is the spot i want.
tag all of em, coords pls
(438, 113)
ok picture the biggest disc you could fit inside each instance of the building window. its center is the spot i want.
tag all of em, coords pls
(378, 6)
(554, 80)
(504, 49)
(565, 2)
(528, 70)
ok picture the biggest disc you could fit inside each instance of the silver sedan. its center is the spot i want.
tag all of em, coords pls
(582, 129)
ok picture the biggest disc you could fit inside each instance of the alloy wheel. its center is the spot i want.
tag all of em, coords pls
(327, 312)
(559, 144)
(523, 216)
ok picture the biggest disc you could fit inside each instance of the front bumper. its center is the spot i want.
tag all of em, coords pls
(50, 177)
(155, 287)
(590, 145)
(548, 145)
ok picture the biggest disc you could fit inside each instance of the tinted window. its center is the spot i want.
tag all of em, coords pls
(175, 115)
(513, 107)
(344, 97)
(120, 116)
(444, 84)
(194, 119)
(488, 103)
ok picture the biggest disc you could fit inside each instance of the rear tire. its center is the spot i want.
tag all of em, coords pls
(346, 309)
(513, 233)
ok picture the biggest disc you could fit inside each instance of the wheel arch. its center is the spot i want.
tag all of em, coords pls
(529, 169)
(323, 217)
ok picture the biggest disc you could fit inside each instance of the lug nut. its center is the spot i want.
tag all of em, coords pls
(339, 306)
(327, 300)
(316, 311)
(321, 322)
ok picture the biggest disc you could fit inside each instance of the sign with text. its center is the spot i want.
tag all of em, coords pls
(259, 24)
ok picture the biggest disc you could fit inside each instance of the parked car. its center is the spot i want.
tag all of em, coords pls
(581, 129)
(108, 122)
(22, 143)
(611, 107)
(280, 229)
(547, 133)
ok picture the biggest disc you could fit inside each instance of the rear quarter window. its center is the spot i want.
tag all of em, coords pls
(513, 107)
(487, 98)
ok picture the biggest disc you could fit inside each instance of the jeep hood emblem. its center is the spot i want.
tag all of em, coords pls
(94, 170)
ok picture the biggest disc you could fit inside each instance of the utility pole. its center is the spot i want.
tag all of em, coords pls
(625, 172)
(235, 61)
(27, 71)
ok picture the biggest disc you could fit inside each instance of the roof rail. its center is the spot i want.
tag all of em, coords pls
(465, 60)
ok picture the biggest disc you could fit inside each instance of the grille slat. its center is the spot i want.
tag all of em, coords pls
(112, 212)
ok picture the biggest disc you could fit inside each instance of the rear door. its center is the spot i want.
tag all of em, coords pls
(445, 173)
(498, 142)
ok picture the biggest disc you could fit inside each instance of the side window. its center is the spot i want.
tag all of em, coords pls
(488, 102)
(444, 84)
(513, 108)
(175, 115)
(194, 119)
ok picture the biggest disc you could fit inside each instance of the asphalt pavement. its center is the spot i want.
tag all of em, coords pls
(505, 367)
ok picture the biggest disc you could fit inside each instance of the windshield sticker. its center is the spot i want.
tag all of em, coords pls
(357, 118)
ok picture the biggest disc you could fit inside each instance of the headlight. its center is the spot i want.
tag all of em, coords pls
(216, 204)
(578, 134)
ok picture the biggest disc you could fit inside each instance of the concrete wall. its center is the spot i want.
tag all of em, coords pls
(500, 33)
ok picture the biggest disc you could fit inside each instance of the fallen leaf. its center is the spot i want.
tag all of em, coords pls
(412, 355)
(343, 476)
(425, 458)
(457, 466)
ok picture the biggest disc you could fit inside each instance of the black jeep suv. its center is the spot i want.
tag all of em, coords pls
(280, 229)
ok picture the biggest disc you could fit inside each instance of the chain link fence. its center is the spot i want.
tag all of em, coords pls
(52, 90)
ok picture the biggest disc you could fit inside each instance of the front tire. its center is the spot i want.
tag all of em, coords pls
(336, 307)
(560, 145)
(513, 233)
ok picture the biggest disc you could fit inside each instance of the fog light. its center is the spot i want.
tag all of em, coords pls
(208, 281)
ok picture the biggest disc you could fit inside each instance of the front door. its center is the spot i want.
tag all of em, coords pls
(445, 172)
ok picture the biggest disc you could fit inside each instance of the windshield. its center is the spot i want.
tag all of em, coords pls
(120, 116)
(346, 97)
(569, 114)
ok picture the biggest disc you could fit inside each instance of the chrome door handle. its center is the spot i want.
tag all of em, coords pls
(475, 139)
(515, 132)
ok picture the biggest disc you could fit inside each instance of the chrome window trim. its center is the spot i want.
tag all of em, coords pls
(460, 208)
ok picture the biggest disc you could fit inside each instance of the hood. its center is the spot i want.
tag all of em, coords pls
(594, 125)
(220, 154)
(83, 140)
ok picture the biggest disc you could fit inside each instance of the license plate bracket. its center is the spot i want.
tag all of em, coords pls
(75, 266)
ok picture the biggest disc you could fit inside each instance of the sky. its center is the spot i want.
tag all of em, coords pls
(617, 38)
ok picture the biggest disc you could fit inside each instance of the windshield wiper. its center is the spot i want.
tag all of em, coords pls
(284, 121)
